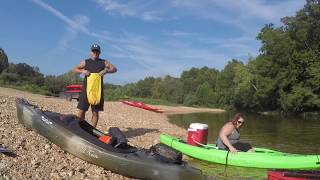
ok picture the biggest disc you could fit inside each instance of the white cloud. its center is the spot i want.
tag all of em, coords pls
(239, 46)
(158, 59)
(139, 9)
(114, 6)
(180, 34)
(68, 21)
(71, 33)
(241, 14)
(151, 16)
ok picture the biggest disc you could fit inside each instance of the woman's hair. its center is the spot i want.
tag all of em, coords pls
(236, 117)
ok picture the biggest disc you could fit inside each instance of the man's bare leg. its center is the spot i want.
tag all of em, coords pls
(81, 114)
(95, 118)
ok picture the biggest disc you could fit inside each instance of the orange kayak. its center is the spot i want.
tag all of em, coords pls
(139, 104)
(293, 174)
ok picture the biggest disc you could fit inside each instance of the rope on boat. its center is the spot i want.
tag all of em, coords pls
(171, 142)
(225, 167)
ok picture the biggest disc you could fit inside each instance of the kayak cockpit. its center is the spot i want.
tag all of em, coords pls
(84, 130)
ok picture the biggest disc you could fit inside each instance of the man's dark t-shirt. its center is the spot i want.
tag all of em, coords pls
(93, 66)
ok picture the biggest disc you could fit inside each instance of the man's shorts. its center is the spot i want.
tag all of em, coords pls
(84, 105)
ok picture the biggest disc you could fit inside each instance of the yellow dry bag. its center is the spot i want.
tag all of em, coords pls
(94, 88)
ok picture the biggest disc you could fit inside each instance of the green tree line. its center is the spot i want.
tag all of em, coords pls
(25, 77)
(285, 76)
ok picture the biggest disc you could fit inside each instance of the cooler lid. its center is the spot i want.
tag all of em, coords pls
(198, 126)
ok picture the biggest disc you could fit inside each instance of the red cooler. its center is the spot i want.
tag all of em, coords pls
(197, 134)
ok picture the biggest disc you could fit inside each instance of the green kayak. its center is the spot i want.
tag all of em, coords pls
(261, 158)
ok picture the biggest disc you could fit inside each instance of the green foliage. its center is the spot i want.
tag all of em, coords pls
(34, 89)
(244, 88)
(225, 85)
(70, 78)
(25, 77)
(27, 87)
(195, 77)
(55, 84)
(4, 63)
(144, 87)
(9, 78)
(204, 94)
(22, 73)
(130, 89)
(288, 68)
(300, 99)
(113, 92)
(190, 100)
(169, 89)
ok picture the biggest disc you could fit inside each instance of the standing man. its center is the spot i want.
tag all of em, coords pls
(92, 65)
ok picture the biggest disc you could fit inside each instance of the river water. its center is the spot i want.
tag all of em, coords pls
(293, 135)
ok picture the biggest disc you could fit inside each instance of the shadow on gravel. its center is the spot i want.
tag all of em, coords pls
(133, 132)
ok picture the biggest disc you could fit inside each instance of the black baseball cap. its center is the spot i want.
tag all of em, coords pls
(95, 47)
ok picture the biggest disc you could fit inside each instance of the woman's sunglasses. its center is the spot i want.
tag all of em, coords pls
(240, 122)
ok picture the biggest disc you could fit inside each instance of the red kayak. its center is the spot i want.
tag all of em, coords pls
(142, 105)
(293, 175)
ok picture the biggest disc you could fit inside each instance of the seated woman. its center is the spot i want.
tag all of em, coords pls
(229, 136)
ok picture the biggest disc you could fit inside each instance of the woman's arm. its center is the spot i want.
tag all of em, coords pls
(226, 130)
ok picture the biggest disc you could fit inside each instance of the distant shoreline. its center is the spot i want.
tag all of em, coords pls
(186, 110)
(167, 109)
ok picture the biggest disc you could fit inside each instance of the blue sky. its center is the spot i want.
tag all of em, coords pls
(140, 37)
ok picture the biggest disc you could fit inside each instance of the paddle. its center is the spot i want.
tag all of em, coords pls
(7, 152)
(204, 145)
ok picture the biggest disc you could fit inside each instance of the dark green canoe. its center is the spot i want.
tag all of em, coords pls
(261, 158)
(79, 138)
